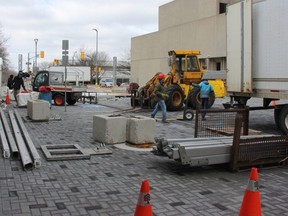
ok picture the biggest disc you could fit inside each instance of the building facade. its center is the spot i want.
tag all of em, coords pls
(183, 24)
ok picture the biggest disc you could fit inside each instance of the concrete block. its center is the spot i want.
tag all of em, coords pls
(38, 110)
(109, 129)
(141, 130)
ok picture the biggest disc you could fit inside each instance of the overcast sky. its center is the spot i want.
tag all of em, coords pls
(51, 21)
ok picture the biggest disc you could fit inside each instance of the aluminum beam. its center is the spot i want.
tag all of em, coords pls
(9, 135)
(24, 153)
(5, 145)
(29, 142)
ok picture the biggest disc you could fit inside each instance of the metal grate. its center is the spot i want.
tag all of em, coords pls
(262, 150)
(219, 122)
(257, 151)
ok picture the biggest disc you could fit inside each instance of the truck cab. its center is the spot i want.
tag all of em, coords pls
(56, 81)
(46, 78)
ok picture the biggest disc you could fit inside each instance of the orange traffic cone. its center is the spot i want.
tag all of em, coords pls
(8, 101)
(144, 207)
(251, 205)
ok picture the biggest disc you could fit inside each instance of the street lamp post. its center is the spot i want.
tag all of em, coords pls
(96, 57)
(35, 66)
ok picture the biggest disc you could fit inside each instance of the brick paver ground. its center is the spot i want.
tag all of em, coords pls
(109, 184)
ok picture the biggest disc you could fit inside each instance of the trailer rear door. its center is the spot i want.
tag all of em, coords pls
(239, 47)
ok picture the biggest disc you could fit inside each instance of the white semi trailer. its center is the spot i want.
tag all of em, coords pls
(75, 74)
(257, 55)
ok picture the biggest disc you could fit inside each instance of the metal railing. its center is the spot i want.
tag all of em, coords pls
(219, 122)
(257, 151)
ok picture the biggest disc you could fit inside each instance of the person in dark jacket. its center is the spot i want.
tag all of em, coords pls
(17, 83)
(10, 82)
(205, 90)
(161, 96)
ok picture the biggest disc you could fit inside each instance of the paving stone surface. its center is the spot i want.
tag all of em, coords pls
(108, 185)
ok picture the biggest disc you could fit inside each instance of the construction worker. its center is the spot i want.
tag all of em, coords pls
(205, 90)
(10, 82)
(160, 96)
(17, 83)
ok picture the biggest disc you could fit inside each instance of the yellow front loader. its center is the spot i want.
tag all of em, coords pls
(185, 69)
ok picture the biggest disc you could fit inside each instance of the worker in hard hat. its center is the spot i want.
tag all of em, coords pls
(160, 96)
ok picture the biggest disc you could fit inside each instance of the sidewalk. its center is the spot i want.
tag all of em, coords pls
(108, 185)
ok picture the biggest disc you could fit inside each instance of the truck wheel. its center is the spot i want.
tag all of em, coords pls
(283, 119)
(277, 111)
(175, 99)
(71, 101)
(59, 100)
(194, 98)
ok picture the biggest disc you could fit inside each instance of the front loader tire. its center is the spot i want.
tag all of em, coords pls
(175, 98)
(194, 98)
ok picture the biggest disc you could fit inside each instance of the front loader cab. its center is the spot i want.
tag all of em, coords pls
(185, 66)
(41, 79)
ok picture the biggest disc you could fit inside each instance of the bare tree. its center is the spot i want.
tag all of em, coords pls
(45, 65)
(125, 60)
(89, 59)
(4, 55)
(103, 59)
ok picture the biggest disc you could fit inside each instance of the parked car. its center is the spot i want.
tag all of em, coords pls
(106, 82)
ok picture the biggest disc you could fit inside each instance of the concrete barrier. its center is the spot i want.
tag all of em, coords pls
(140, 130)
(38, 110)
(109, 129)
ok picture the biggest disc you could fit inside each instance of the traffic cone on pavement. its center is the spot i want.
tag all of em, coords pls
(144, 207)
(8, 101)
(251, 205)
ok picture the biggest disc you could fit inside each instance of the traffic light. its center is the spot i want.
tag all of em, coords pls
(41, 54)
(56, 61)
(82, 55)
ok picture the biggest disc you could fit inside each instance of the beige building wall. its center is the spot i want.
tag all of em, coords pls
(183, 11)
(183, 24)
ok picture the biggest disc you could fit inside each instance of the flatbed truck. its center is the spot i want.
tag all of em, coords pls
(56, 81)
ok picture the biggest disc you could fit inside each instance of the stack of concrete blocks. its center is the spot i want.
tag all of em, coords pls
(109, 129)
(38, 110)
(113, 129)
(141, 130)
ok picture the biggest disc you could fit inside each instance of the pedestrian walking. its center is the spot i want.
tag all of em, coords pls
(17, 83)
(205, 90)
(10, 82)
(160, 96)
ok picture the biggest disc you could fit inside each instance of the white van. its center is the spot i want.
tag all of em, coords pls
(106, 82)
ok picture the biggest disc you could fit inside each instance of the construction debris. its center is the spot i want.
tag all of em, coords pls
(64, 152)
(71, 151)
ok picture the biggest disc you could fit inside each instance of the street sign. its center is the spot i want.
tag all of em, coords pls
(65, 60)
(65, 44)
